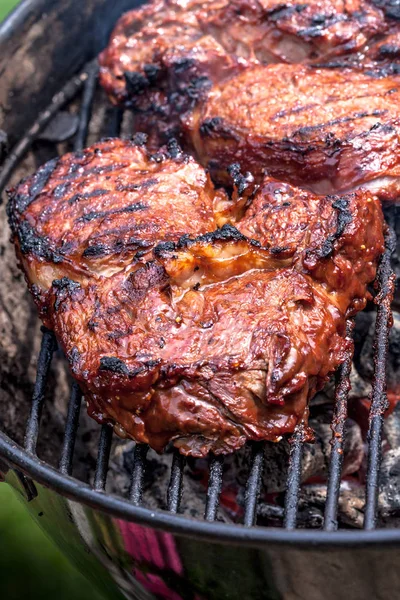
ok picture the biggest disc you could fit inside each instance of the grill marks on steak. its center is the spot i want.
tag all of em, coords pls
(92, 214)
(164, 58)
(325, 129)
(208, 338)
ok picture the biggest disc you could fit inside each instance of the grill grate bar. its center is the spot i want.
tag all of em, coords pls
(174, 493)
(214, 488)
(379, 403)
(139, 466)
(71, 428)
(103, 457)
(47, 348)
(113, 119)
(293, 478)
(338, 438)
(253, 486)
(86, 106)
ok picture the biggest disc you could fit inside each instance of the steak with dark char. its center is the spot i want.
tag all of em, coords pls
(178, 330)
(163, 58)
(326, 129)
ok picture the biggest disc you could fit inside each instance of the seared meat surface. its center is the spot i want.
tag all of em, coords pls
(178, 330)
(95, 213)
(329, 130)
(164, 57)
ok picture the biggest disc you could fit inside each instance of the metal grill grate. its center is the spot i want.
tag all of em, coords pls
(385, 283)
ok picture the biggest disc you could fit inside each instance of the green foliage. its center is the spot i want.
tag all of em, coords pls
(6, 6)
(31, 567)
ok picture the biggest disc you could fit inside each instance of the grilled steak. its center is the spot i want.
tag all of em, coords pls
(164, 57)
(328, 130)
(179, 330)
(95, 213)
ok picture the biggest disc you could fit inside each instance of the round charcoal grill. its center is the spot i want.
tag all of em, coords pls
(209, 559)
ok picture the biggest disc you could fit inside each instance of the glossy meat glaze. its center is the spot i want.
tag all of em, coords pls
(187, 314)
(326, 117)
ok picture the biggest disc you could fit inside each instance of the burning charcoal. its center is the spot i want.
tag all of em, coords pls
(363, 357)
(315, 459)
(350, 509)
(156, 481)
(389, 496)
(391, 428)
(360, 388)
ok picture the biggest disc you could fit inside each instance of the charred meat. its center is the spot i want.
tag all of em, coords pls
(326, 129)
(163, 58)
(180, 330)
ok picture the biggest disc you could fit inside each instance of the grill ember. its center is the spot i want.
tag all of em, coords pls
(262, 481)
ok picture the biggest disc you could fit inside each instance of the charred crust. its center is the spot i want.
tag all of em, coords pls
(163, 247)
(92, 325)
(133, 187)
(210, 126)
(91, 216)
(391, 8)
(65, 283)
(240, 181)
(344, 218)
(382, 71)
(63, 289)
(140, 139)
(32, 243)
(227, 233)
(74, 357)
(285, 11)
(96, 250)
(136, 83)
(304, 131)
(197, 87)
(279, 249)
(389, 51)
(183, 64)
(152, 73)
(118, 334)
(61, 189)
(39, 180)
(99, 249)
(86, 196)
(113, 364)
(174, 149)
(117, 366)
(19, 202)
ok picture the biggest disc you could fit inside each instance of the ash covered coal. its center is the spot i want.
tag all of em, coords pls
(156, 480)
(315, 460)
(364, 350)
(389, 496)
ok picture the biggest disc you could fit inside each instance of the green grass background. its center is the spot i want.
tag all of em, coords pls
(5, 7)
(31, 567)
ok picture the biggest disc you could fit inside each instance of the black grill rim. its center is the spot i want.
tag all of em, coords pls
(60, 481)
(118, 507)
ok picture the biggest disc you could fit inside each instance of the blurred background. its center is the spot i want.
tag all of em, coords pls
(31, 567)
